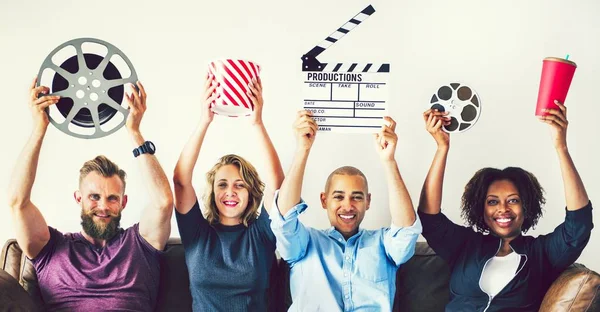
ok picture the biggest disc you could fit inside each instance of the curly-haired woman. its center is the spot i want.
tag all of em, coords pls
(230, 252)
(493, 265)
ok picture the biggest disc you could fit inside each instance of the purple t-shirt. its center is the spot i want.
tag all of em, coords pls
(75, 275)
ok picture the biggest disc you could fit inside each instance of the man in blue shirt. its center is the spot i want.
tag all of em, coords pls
(343, 268)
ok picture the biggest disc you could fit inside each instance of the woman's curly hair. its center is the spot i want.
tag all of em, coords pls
(530, 191)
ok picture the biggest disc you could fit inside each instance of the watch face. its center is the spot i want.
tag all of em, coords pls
(151, 147)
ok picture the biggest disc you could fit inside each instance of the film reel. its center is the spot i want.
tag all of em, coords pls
(90, 76)
(462, 103)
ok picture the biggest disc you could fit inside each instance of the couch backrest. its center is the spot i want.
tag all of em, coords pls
(174, 294)
(13, 261)
(421, 283)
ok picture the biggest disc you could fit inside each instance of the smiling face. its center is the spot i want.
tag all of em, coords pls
(346, 200)
(231, 195)
(503, 209)
(101, 200)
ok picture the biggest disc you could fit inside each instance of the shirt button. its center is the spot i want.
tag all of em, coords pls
(347, 257)
(339, 239)
(347, 296)
(345, 274)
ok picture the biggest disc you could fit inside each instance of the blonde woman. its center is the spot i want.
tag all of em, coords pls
(229, 252)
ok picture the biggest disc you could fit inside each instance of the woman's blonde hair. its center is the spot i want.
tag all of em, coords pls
(251, 180)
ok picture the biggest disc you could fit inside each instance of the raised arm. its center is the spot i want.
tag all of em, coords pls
(292, 236)
(291, 188)
(400, 205)
(575, 194)
(445, 237)
(273, 176)
(155, 223)
(185, 195)
(565, 244)
(31, 228)
(430, 200)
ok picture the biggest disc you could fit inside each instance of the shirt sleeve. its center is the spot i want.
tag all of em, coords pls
(191, 224)
(43, 257)
(400, 242)
(292, 236)
(445, 237)
(565, 244)
(264, 226)
(147, 247)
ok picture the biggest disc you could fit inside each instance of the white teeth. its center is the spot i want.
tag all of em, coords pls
(503, 220)
(347, 216)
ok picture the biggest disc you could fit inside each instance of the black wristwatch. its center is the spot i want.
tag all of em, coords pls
(147, 147)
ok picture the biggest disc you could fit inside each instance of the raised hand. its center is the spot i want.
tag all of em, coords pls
(434, 120)
(137, 107)
(209, 96)
(255, 94)
(306, 130)
(38, 105)
(386, 139)
(557, 119)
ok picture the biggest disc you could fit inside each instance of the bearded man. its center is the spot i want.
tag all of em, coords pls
(104, 266)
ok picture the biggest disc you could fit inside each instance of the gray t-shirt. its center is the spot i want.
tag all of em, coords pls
(75, 275)
(229, 266)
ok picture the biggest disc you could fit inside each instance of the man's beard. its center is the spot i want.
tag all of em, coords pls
(100, 230)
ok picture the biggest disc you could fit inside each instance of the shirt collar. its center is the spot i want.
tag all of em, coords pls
(517, 244)
(333, 233)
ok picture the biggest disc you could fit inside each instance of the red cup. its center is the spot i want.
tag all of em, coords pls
(232, 78)
(556, 79)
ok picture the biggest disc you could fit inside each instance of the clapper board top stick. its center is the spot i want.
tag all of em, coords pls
(310, 62)
(345, 97)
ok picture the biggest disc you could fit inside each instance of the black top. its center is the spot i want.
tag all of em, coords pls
(229, 266)
(543, 258)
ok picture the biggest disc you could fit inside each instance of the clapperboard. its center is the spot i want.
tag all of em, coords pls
(345, 97)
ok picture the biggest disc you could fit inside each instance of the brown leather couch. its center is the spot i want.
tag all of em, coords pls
(422, 284)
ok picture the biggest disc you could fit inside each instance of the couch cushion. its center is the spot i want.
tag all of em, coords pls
(11, 258)
(576, 289)
(12, 295)
(422, 282)
(19, 267)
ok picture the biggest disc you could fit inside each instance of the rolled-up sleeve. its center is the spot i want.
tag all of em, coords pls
(565, 244)
(445, 237)
(292, 237)
(400, 242)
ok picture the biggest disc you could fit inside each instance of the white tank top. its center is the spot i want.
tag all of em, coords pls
(498, 272)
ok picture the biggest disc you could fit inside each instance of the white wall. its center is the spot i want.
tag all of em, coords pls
(495, 46)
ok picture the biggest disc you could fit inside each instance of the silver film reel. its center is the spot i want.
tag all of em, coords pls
(461, 102)
(90, 76)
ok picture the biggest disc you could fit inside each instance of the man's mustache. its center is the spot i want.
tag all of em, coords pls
(102, 212)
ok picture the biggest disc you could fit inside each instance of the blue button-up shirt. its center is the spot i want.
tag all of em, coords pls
(329, 273)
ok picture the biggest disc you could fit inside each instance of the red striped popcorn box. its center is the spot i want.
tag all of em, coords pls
(232, 78)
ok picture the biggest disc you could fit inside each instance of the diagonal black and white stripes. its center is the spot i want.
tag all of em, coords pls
(357, 68)
(342, 31)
